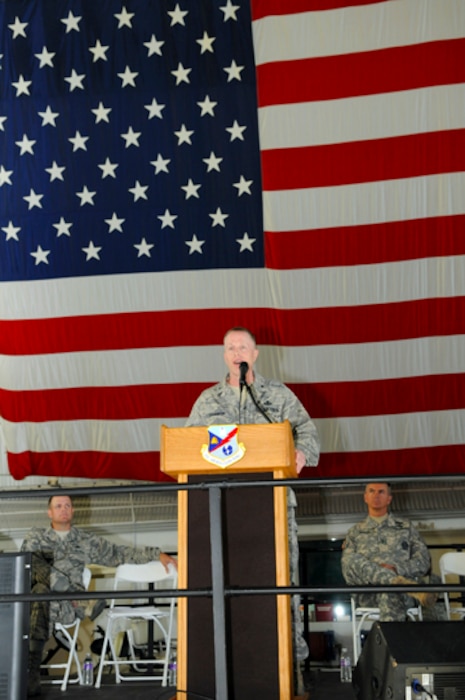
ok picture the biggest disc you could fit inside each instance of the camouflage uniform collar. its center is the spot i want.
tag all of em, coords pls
(56, 533)
(258, 380)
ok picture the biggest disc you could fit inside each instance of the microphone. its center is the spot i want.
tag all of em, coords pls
(244, 368)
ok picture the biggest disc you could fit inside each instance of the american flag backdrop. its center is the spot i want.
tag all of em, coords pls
(169, 169)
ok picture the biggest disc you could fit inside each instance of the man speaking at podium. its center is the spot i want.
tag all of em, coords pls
(245, 397)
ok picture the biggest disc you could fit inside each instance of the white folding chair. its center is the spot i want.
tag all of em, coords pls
(70, 633)
(120, 617)
(363, 618)
(452, 563)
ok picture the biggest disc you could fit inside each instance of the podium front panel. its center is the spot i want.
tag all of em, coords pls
(251, 620)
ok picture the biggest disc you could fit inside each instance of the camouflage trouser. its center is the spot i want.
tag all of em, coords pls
(300, 647)
(44, 614)
(392, 606)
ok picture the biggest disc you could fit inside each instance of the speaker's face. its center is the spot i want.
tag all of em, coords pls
(378, 498)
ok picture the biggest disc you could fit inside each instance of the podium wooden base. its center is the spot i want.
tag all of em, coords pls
(249, 528)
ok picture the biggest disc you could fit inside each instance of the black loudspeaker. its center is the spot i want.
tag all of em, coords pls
(398, 659)
(15, 577)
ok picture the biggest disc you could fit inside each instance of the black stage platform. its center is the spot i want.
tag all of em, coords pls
(321, 685)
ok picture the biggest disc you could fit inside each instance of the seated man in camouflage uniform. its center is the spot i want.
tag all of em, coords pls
(266, 400)
(386, 550)
(59, 554)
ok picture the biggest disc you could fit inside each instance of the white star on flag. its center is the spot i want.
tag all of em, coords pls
(48, 117)
(108, 168)
(124, 18)
(5, 176)
(22, 86)
(63, 227)
(56, 171)
(98, 51)
(92, 251)
(184, 135)
(131, 137)
(128, 77)
(195, 246)
(41, 256)
(18, 28)
(177, 16)
(155, 109)
(139, 191)
(86, 196)
(154, 46)
(246, 243)
(243, 186)
(26, 145)
(78, 141)
(101, 113)
(75, 80)
(207, 106)
(167, 219)
(230, 11)
(33, 199)
(11, 231)
(115, 223)
(45, 57)
(143, 248)
(71, 22)
(181, 74)
(160, 164)
(218, 218)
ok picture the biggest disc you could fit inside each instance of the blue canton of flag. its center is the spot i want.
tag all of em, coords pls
(128, 138)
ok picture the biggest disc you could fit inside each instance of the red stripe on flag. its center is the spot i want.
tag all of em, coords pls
(266, 8)
(363, 245)
(422, 461)
(441, 459)
(349, 324)
(145, 466)
(361, 161)
(322, 399)
(365, 73)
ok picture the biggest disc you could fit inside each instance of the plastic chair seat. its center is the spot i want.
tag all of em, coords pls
(452, 563)
(137, 575)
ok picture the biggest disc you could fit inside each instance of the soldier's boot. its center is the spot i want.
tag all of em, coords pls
(33, 676)
(426, 600)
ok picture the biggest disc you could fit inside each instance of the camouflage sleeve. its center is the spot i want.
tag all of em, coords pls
(419, 563)
(105, 553)
(358, 569)
(305, 433)
(42, 560)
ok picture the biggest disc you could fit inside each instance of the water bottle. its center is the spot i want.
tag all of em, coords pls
(88, 671)
(172, 668)
(346, 666)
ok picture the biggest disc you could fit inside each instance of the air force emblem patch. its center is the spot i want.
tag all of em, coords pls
(223, 449)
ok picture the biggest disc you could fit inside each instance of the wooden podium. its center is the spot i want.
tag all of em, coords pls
(257, 643)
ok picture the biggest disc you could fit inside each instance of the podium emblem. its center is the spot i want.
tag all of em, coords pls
(223, 449)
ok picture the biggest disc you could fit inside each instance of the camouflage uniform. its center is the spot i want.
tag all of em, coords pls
(219, 405)
(57, 565)
(394, 541)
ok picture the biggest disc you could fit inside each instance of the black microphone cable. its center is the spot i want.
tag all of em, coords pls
(257, 404)
(244, 368)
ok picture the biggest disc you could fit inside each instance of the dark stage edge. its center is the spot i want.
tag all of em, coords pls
(320, 684)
